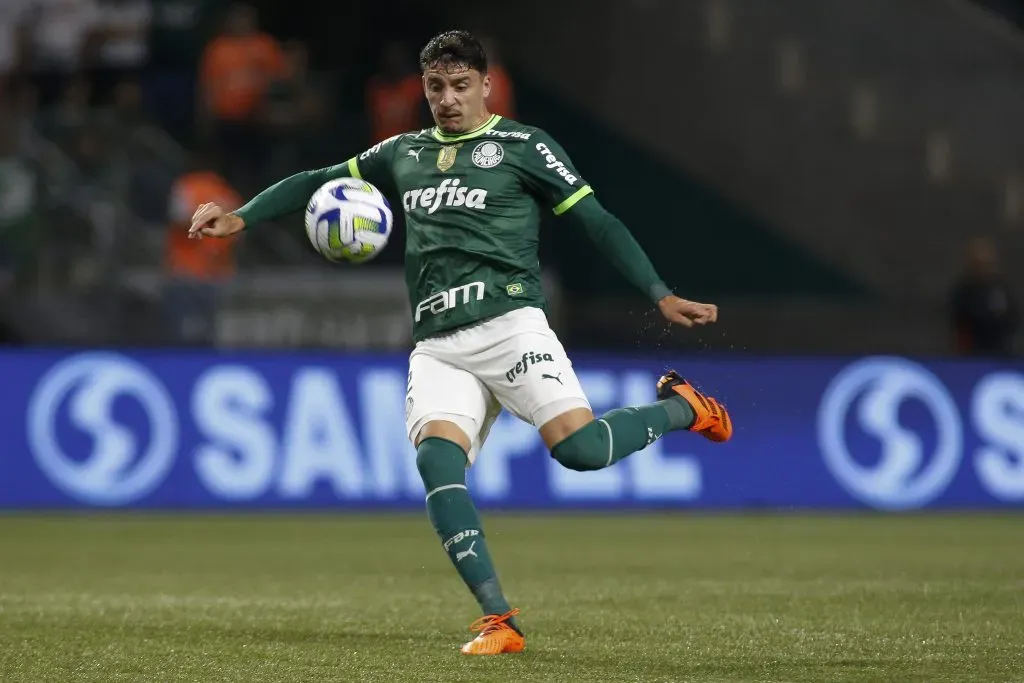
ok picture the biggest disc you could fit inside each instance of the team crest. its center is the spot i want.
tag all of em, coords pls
(446, 157)
(488, 154)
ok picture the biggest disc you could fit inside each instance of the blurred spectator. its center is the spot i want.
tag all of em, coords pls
(296, 112)
(178, 33)
(137, 139)
(122, 34)
(60, 33)
(196, 269)
(126, 118)
(71, 112)
(21, 105)
(291, 87)
(95, 156)
(984, 312)
(13, 20)
(394, 95)
(236, 70)
(502, 98)
(20, 189)
(126, 103)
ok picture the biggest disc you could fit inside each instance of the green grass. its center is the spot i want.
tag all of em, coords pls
(629, 598)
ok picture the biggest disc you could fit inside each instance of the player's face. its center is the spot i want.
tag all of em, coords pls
(456, 97)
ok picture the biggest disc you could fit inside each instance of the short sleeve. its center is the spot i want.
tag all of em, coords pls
(374, 165)
(550, 174)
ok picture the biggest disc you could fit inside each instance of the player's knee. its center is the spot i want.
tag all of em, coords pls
(584, 450)
(456, 429)
(440, 462)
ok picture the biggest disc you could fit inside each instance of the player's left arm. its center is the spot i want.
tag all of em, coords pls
(552, 175)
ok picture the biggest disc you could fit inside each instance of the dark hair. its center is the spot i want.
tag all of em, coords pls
(454, 49)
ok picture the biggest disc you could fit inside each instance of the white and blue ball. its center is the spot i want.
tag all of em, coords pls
(348, 220)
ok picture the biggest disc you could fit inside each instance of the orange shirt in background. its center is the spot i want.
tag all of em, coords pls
(394, 107)
(501, 101)
(205, 259)
(235, 72)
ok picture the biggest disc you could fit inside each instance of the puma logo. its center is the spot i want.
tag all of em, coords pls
(415, 153)
(557, 378)
(463, 554)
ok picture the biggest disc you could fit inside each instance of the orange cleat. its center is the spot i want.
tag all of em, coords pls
(711, 421)
(496, 636)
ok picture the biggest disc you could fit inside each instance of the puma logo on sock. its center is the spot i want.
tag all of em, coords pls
(463, 554)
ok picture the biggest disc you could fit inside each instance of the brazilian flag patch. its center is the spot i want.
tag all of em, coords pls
(514, 289)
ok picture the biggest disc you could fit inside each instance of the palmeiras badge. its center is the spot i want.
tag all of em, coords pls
(488, 154)
(446, 157)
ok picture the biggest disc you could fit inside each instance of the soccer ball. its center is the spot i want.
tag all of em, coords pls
(348, 220)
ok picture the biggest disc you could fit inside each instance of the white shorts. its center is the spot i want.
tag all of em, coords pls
(513, 361)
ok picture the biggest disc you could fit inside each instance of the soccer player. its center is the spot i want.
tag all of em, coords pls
(472, 188)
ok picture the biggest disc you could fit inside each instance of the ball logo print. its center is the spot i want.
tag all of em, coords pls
(907, 471)
(124, 463)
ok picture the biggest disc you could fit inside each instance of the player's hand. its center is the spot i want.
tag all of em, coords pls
(687, 313)
(210, 220)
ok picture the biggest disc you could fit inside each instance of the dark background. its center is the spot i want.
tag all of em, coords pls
(819, 170)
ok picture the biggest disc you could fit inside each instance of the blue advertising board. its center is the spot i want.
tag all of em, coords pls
(205, 430)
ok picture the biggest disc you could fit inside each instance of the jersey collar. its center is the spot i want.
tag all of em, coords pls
(486, 126)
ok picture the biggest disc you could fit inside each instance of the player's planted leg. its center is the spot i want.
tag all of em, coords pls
(442, 466)
(618, 433)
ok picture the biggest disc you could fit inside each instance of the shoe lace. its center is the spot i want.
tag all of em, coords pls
(492, 622)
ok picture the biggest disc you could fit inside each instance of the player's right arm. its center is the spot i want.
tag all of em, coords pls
(291, 194)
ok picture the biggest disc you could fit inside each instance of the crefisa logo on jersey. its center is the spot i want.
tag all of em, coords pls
(552, 162)
(450, 192)
(910, 444)
(376, 148)
(488, 154)
(515, 134)
(126, 417)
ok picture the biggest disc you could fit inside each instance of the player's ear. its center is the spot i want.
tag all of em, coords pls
(487, 85)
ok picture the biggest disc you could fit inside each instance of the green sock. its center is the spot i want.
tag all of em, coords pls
(442, 466)
(621, 432)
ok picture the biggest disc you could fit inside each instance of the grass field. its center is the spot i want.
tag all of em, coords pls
(629, 598)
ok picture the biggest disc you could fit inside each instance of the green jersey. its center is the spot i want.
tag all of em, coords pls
(473, 204)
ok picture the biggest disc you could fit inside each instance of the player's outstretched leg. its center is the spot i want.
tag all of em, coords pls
(621, 432)
(442, 465)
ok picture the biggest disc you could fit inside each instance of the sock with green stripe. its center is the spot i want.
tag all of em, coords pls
(442, 466)
(621, 432)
